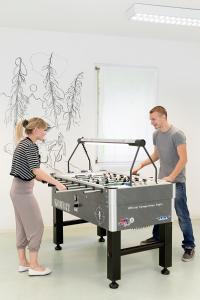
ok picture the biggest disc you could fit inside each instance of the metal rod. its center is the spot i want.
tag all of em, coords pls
(156, 172)
(129, 142)
(71, 184)
(69, 188)
(90, 166)
(141, 248)
(74, 222)
(71, 156)
(81, 188)
(131, 170)
(92, 191)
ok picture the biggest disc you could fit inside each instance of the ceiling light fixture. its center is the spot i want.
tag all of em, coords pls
(164, 14)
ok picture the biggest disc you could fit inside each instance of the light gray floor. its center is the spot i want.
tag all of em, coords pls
(79, 270)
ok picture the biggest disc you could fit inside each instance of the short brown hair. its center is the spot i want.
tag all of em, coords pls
(159, 109)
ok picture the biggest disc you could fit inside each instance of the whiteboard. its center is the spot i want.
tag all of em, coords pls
(125, 96)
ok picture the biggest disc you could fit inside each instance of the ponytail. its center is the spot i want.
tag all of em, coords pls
(19, 132)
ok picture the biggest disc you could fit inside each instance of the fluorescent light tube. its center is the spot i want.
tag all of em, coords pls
(164, 14)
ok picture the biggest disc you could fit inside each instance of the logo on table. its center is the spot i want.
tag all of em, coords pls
(163, 218)
(123, 221)
(100, 216)
(61, 205)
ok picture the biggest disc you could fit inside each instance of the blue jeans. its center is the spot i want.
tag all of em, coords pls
(183, 217)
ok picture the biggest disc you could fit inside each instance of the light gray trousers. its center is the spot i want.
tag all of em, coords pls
(29, 224)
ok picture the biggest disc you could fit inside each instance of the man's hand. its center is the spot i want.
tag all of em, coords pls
(136, 169)
(169, 178)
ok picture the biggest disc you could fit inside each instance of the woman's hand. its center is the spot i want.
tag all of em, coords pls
(60, 186)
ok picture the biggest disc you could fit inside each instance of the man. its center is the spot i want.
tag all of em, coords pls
(170, 148)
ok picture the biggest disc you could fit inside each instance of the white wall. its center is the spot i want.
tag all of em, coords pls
(178, 90)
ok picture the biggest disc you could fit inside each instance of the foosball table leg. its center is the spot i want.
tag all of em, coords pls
(101, 232)
(165, 252)
(57, 228)
(114, 258)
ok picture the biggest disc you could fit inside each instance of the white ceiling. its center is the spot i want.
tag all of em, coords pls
(106, 17)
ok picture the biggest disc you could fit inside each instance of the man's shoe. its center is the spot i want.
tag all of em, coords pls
(23, 269)
(148, 241)
(188, 254)
(33, 272)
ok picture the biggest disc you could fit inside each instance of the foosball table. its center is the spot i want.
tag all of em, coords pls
(116, 202)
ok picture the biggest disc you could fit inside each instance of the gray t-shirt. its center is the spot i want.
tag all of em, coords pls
(166, 144)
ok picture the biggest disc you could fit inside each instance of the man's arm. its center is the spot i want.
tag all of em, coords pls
(182, 153)
(154, 156)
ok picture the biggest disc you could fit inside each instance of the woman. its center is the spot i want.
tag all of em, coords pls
(26, 168)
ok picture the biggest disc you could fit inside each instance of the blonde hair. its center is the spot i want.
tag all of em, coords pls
(27, 126)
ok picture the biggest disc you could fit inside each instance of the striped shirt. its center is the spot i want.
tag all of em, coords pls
(26, 158)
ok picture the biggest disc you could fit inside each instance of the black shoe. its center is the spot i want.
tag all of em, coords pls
(188, 255)
(148, 241)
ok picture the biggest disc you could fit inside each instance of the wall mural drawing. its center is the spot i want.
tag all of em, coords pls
(34, 102)
(54, 96)
(73, 97)
(17, 100)
(59, 107)
(56, 150)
